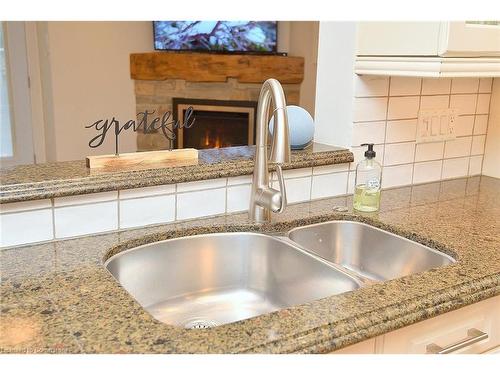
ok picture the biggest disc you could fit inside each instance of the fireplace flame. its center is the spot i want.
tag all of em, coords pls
(207, 138)
(210, 142)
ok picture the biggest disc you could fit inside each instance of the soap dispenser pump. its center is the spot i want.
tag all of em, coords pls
(368, 182)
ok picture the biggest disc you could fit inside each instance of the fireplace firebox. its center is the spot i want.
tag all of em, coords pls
(218, 123)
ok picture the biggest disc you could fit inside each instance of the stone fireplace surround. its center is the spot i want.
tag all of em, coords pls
(205, 76)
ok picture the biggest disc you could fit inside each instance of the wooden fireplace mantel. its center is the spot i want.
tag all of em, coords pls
(211, 67)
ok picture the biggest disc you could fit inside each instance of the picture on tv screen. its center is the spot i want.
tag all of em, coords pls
(219, 36)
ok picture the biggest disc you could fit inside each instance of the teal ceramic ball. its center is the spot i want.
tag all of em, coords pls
(301, 125)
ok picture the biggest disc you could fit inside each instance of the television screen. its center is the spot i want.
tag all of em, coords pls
(219, 36)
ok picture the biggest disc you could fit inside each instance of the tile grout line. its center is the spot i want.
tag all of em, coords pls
(53, 209)
(421, 94)
(143, 197)
(487, 126)
(406, 118)
(311, 185)
(445, 142)
(118, 222)
(416, 129)
(474, 127)
(225, 197)
(386, 117)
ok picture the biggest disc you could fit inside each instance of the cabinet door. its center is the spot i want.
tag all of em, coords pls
(432, 39)
(376, 38)
(470, 39)
(449, 329)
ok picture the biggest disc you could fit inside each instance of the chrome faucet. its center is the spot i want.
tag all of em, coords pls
(263, 198)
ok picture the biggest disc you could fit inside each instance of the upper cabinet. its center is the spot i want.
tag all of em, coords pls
(429, 49)
(445, 39)
(470, 39)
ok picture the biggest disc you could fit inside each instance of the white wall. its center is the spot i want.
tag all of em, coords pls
(335, 83)
(304, 42)
(85, 74)
(491, 163)
(300, 38)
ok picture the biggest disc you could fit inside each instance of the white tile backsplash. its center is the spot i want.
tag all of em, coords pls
(403, 107)
(401, 131)
(334, 168)
(201, 203)
(367, 85)
(464, 125)
(350, 182)
(368, 132)
(146, 211)
(478, 145)
(329, 185)
(434, 86)
(25, 206)
(464, 85)
(399, 153)
(397, 175)
(475, 165)
(297, 189)
(147, 191)
(429, 151)
(26, 227)
(427, 171)
(369, 109)
(83, 219)
(434, 102)
(464, 103)
(85, 198)
(295, 173)
(201, 185)
(401, 86)
(453, 168)
(483, 104)
(238, 198)
(485, 85)
(480, 124)
(457, 147)
(239, 180)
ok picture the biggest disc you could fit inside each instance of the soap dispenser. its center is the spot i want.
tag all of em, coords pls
(368, 182)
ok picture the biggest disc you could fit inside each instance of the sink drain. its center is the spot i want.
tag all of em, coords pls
(200, 324)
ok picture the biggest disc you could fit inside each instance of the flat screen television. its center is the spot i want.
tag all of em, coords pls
(216, 36)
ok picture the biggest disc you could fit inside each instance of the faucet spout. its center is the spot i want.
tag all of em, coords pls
(280, 146)
(263, 198)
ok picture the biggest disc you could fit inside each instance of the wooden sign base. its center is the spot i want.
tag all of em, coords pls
(172, 158)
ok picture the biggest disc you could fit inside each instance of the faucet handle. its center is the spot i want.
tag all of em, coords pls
(282, 190)
(272, 199)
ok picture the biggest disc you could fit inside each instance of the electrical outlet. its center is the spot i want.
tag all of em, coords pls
(436, 125)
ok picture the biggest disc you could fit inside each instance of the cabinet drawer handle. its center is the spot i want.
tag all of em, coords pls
(473, 336)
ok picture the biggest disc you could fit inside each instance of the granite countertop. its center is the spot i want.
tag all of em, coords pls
(40, 181)
(58, 298)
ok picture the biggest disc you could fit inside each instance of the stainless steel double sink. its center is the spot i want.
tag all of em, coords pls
(203, 281)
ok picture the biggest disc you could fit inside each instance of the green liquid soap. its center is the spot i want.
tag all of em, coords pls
(366, 199)
(367, 182)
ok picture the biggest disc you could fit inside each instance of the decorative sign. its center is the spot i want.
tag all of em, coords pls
(144, 121)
